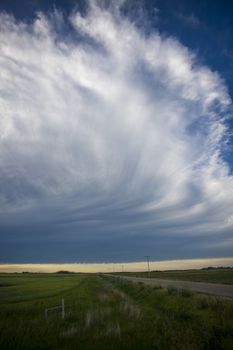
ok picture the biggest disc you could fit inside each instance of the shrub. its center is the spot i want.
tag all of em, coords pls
(216, 304)
(130, 310)
(172, 290)
(157, 287)
(186, 293)
(204, 303)
(184, 314)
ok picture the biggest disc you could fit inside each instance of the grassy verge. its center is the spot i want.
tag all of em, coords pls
(181, 319)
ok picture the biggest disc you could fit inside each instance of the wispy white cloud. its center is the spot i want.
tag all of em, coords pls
(124, 124)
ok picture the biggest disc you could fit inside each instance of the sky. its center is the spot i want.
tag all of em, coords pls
(139, 266)
(116, 130)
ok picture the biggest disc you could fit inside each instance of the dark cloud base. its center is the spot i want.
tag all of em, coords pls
(110, 250)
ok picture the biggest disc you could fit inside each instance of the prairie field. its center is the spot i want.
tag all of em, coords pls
(222, 275)
(104, 312)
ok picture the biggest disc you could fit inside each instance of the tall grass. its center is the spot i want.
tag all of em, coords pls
(182, 319)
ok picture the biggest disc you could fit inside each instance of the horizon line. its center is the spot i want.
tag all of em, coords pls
(135, 266)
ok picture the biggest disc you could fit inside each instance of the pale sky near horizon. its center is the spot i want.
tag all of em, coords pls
(120, 266)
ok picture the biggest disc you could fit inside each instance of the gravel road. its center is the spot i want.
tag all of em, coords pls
(222, 290)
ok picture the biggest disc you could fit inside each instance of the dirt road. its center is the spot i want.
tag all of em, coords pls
(222, 290)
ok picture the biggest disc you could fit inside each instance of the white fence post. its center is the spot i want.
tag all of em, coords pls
(62, 308)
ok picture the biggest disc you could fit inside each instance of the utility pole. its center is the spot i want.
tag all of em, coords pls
(148, 264)
(122, 266)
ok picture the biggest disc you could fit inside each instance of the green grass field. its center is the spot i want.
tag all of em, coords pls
(109, 313)
(224, 276)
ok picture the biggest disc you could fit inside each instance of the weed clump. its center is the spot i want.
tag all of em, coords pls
(130, 310)
(172, 290)
(113, 330)
(186, 293)
(157, 287)
(204, 303)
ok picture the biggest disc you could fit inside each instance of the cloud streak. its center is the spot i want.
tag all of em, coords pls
(109, 132)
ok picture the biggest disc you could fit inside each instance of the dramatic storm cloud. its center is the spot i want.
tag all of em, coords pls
(111, 139)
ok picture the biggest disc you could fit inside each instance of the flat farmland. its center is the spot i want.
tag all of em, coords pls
(104, 312)
(221, 276)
